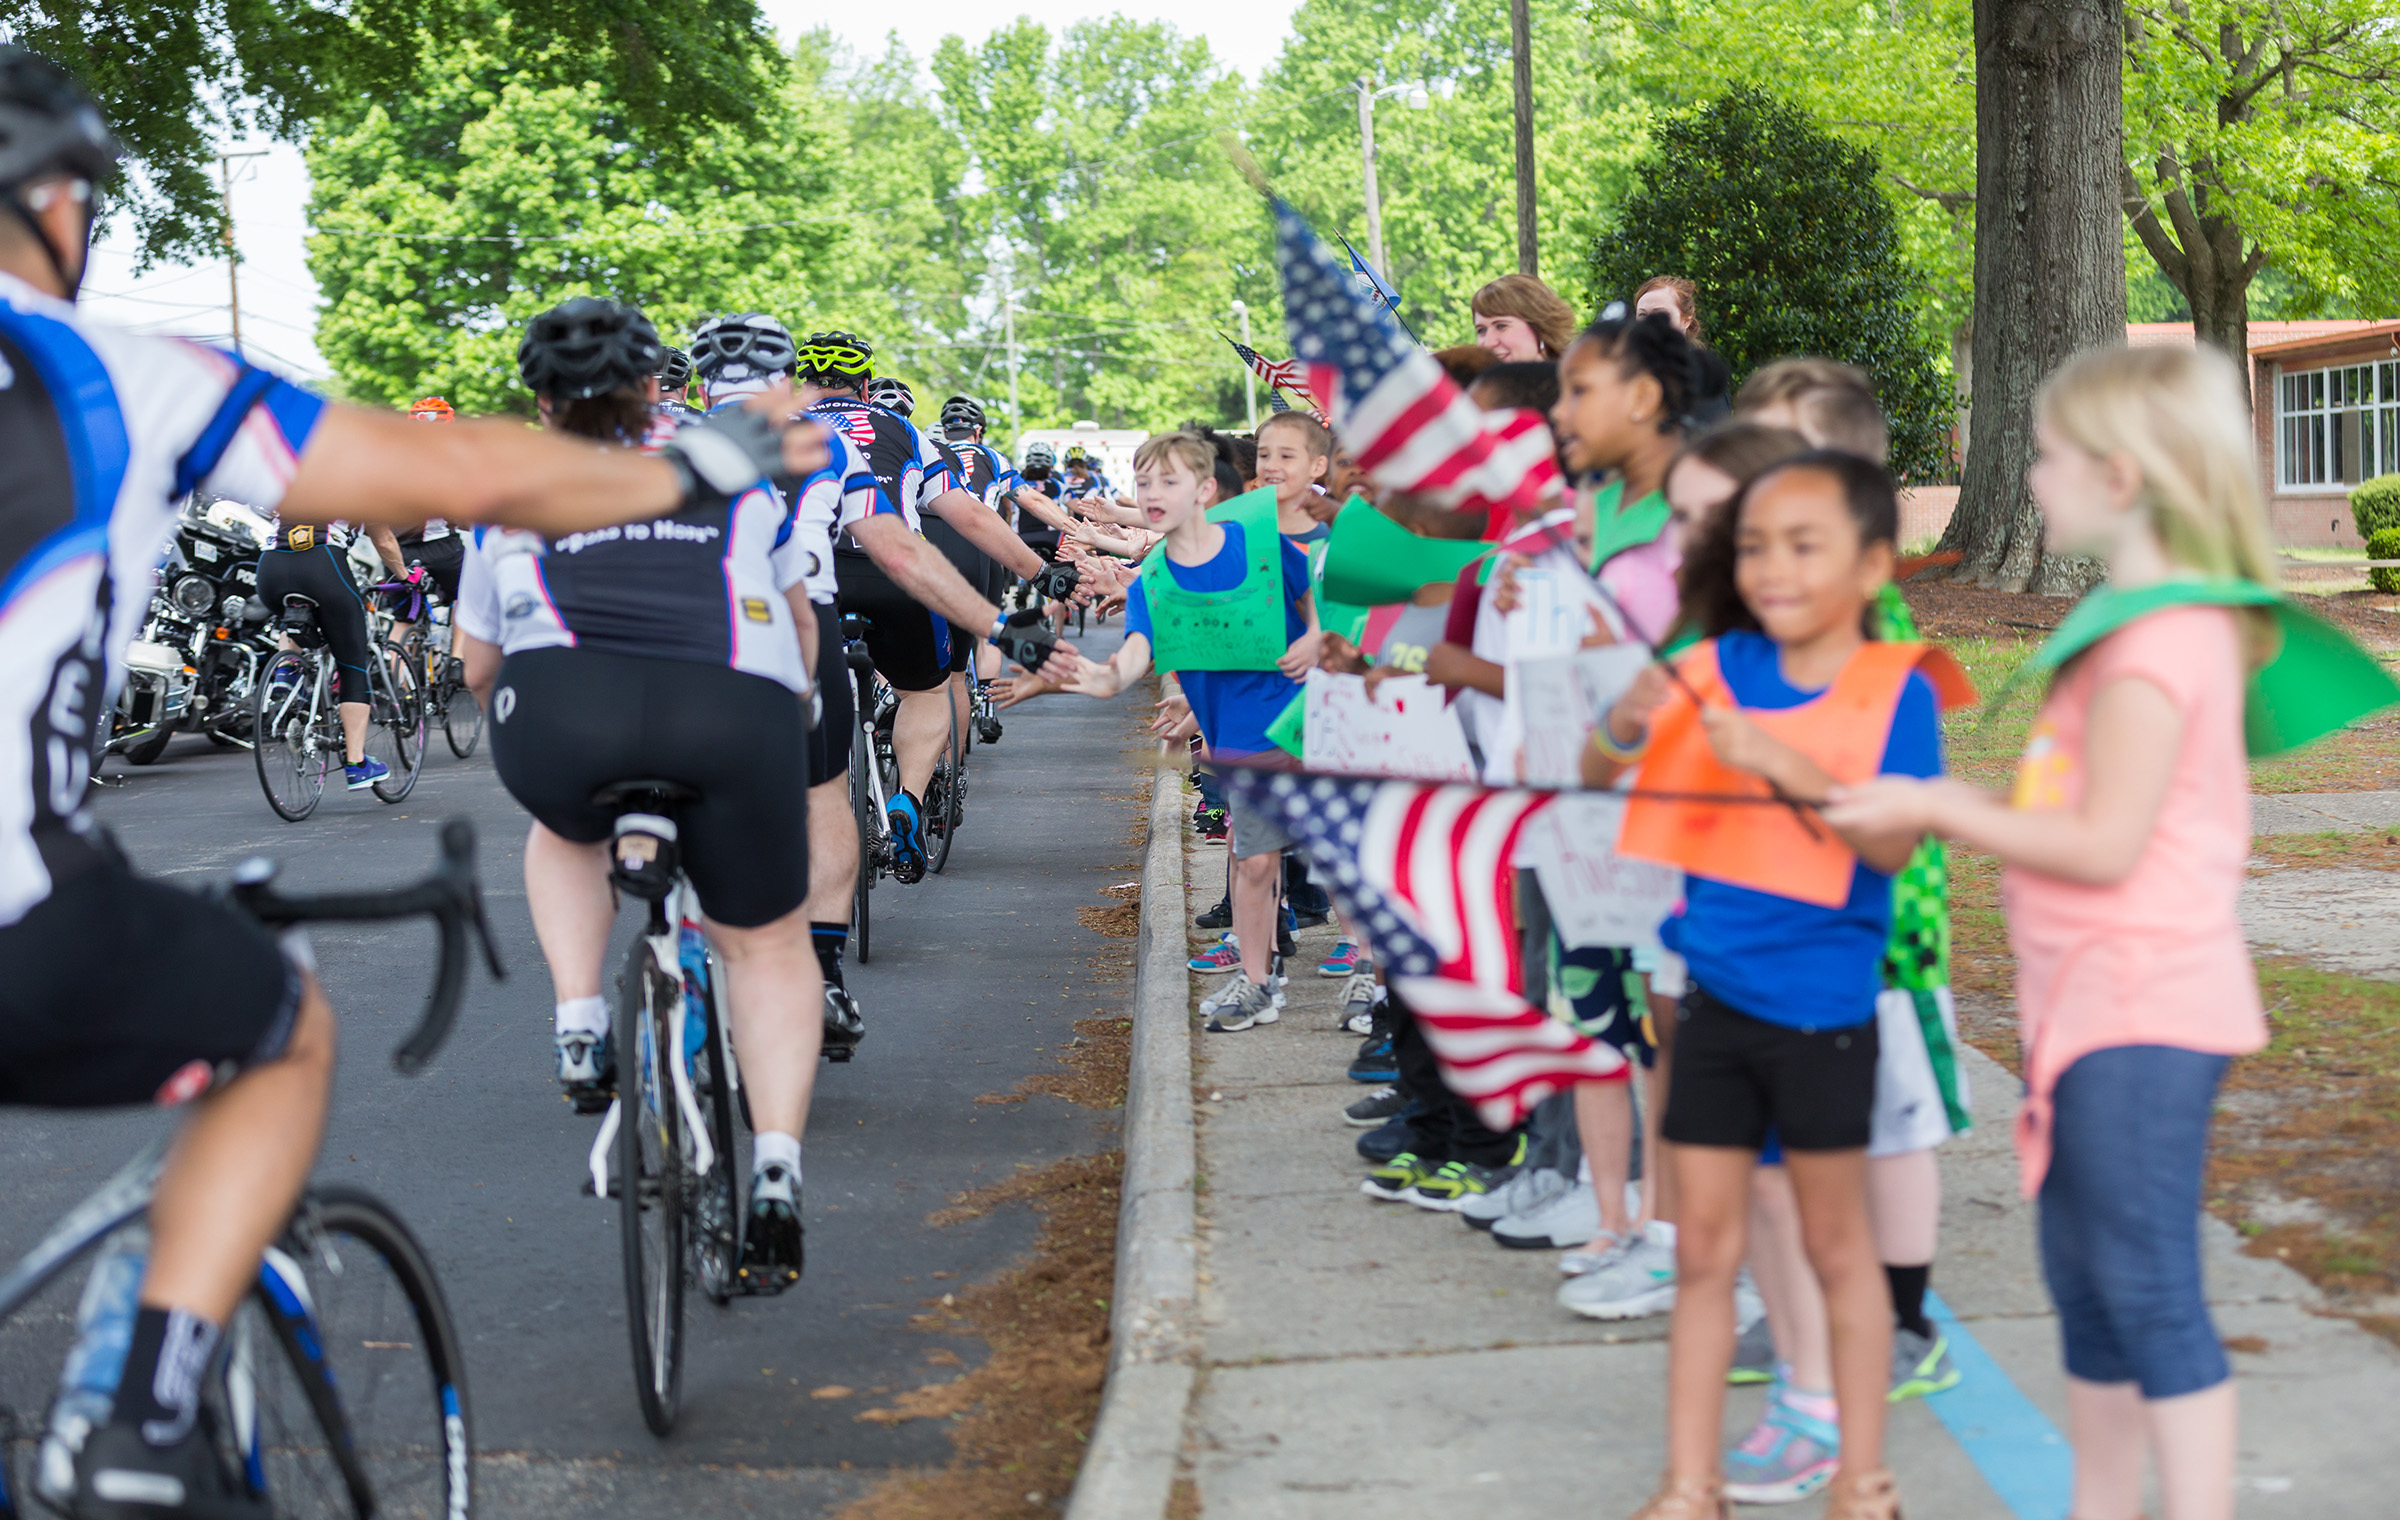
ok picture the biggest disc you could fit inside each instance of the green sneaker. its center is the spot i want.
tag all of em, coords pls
(1452, 1184)
(1921, 1365)
(1392, 1181)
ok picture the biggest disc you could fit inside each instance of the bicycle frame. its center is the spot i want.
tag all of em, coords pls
(664, 938)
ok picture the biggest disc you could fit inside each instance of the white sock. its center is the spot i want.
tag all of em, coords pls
(583, 1015)
(773, 1147)
(1583, 1171)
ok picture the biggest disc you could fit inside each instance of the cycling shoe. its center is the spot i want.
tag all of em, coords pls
(844, 1028)
(120, 1476)
(587, 1069)
(771, 1245)
(908, 840)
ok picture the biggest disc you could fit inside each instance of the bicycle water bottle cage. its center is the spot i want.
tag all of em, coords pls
(642, 855)
(300, 621)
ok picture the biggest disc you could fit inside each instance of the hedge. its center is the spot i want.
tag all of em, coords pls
(2375, 505)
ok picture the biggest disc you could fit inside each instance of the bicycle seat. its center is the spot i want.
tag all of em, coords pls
(300, 621)
(297, 606)
(854, 627)
(649, 793)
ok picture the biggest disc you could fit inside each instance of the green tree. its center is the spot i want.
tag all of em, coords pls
(479, 195)
(1785, 227)
(177, 77)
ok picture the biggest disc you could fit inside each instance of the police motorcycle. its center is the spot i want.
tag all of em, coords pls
(202, 644)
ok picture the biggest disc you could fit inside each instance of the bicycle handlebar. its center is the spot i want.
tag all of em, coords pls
(451, 896)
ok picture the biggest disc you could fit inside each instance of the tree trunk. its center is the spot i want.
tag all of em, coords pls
(2049, 258)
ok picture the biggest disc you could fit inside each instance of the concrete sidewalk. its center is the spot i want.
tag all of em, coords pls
(1361, 1357)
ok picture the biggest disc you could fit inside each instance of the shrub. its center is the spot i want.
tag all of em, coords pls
(2384, 543)
(2375, 505)
(1795, 250)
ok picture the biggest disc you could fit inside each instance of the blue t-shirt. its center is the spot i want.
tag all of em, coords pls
(1234, 706)
(1776, 959)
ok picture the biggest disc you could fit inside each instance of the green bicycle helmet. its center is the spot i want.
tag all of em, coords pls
(839, 357)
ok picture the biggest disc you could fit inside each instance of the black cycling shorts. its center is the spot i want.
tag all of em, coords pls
(837, 725)
(567, 722)
(120, 990)
(911, 644)
(972, 564)
(442, 558)
(319, 575)
(1735, 1080)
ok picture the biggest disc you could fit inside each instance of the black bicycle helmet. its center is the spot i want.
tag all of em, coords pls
(674, 369)
(748, 345)
(587, 346)
(48, 125)
(840, 357)
(961, 416)
(892, 395)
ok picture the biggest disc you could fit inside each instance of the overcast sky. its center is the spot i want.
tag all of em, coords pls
(270, 194)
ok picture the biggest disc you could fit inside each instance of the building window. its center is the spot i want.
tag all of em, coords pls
(2339, 426)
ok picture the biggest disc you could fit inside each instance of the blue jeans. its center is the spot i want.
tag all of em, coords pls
(2120, 1218)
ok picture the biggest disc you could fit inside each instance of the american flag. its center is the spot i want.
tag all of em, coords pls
(1279, 374)
(1391, 404)
(1423, 871)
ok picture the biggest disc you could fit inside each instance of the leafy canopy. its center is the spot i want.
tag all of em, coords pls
(1784, 229)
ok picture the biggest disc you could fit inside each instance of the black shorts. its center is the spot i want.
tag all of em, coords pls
(911, 644)
(120, 990)
(319, 575)
(837, 725)
(1735, 1077)
(442, 558)
(567, 722)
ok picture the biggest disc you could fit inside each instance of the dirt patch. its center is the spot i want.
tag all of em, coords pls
(1118, 920)
(1947, 611)
(2371, 850)
(1096, 1060)
(1019, 1422)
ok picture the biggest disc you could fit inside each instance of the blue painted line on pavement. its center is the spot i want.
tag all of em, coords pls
(2013, 1444)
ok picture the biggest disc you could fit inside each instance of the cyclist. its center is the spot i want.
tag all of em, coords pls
(908, 592)
(1036, 497)
(986, 472)
(674, 379)
(675, 653)
(121, 990)
(978, 568)
(307, 559)
(435, 546)
(1083, 476)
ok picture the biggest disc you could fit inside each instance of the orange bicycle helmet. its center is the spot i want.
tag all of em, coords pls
(431, 409)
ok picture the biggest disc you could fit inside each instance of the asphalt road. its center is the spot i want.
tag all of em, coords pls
(978, 977)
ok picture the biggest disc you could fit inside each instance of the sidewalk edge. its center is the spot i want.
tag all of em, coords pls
(1128, 1470)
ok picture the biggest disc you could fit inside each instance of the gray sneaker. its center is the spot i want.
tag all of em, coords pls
(1584, 1262)
(1358, 1004)
(1244, 1004)
(1921, 1365)
(1639, 1283)
(1224, 998)
(1526, 1191)
(1568, 1220)
(1753, 1354)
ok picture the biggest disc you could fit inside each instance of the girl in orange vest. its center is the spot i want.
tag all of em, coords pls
(1784, 928)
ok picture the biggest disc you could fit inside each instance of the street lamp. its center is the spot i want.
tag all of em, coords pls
(1241, 314)
(1420, 96)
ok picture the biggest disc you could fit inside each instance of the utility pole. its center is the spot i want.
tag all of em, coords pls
(1520, 35)
(1008, 307)
(233, 255)
(1241, 314)
(1366, 148)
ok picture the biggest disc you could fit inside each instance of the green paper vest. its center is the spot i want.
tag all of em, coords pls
(1239, 629)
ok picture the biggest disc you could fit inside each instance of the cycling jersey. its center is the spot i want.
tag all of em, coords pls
(986, 474)
(1095, 484)
(100, 433)
(909, 467)
(703, 583)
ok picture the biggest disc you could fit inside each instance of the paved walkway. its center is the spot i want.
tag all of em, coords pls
(1360, 1357)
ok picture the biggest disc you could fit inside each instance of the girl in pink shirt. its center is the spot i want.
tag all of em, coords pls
(2124, 843)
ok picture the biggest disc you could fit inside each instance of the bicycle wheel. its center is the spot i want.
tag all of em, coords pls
(650, 1186)
(345, 1391)
(462, 715)
(945, 799)
(283, 729)
(870, 827)
(716, 1199)
(396, 728)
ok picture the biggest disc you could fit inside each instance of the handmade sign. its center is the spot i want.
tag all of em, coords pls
(1405, 731)
(1371, 560)
(1596, 896)
(1559, 700)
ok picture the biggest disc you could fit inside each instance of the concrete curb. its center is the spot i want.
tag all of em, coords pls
(1129, 1468)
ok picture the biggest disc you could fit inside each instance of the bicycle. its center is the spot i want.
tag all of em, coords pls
(946, 790)
(874, 774)
(678, 1188)
(979, 702)
(297, 730)
(340, 1388)
(441, 675)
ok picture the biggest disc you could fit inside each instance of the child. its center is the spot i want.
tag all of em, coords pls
(2124, 844)
(1294, 451)
(1223, 603)
(1783, 928)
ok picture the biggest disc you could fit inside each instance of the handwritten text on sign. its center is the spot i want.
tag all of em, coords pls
(1406, 731)
(1596, 896)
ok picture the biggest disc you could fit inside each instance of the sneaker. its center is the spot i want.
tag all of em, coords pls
(1387, 1139)
(1358, 1004)
(844, 1028)
(1786, 1457)
(1345, 959)
(1452, 1184)
(1528, 1189)
(1639, 1283)
(1376, 1063)
(1250, 1003)
(1211, 823)
(1310, 918)
(772, 1253)
(1921, 1365)
(1223, 997)
(1753, 1354)
(1218, 917)
(121, 1476)
(1375, 1107)
(364, 774)
(587, 1070)
(908, 840)
(1583, 1263)
(1225, 955)
(1285, 927)
(1566, 1219)
(1392, 1181)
